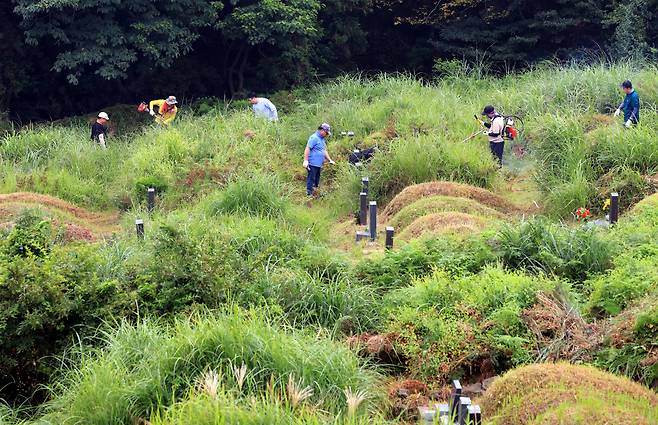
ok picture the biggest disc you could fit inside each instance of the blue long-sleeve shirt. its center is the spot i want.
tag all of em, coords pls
(266, 109)
(631, 107)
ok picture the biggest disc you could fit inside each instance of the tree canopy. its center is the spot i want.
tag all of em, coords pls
(123, 51)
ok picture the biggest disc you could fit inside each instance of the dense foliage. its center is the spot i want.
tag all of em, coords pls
(123, 52)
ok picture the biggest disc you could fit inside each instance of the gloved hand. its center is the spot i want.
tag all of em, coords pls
(152, 112)
(629, 123)
(617, 112)
(332, 162)
(305, 164)
(485, 133)
(482, 123)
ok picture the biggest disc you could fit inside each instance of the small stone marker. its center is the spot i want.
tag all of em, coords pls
(614, 207)
(474, 415)
(373, 220)
(390, 232)
(150, 200)
(426, 415)
(462, 410)
(362, 235)
(139, 227)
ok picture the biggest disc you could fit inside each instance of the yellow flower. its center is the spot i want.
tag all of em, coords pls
(606, 204)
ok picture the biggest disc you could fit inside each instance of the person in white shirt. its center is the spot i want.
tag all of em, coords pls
(495, 132)
(263, 108)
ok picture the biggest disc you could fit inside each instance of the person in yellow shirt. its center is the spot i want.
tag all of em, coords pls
(166, 110)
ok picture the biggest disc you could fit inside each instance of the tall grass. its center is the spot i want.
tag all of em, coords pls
(142, 369)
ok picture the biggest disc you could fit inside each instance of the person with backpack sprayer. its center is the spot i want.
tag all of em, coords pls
(496, 132)
(630, 105)
(167, 109)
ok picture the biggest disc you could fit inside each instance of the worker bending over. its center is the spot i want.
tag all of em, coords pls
(630, 105)
(166, 110)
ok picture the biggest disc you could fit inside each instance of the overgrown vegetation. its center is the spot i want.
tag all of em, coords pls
(239, 267)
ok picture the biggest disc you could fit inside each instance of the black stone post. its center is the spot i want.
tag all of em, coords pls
(462, 410)
(150, 204)
(614, 207)
(373, 220)
(139, 227)
(363, 209)
(474, 415)
(365, 183)
(390, 232)
(454, 402)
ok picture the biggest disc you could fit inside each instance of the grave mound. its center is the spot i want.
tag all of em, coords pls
(444, 223)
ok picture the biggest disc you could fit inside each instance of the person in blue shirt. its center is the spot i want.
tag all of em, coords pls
(263, 108)
(630, 105)
(315, 156)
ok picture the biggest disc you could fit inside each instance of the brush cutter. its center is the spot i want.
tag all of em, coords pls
(477, 133)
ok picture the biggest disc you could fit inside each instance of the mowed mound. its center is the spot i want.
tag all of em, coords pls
(444, 223)
(441, 204)
(563, 393)
(648, 203)
(79, 223)
(413, 193)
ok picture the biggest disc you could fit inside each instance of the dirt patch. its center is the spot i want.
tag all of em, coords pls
(380, 348)
(413, 193)
(525, 394)
(58, 204)
(444, 223)
(78, 224)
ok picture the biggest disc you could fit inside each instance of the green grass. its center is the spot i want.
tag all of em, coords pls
(232, 227)
(142, 369)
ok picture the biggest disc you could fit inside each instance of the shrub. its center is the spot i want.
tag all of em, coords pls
(628, 281)
(44, 302)
(30, 236)
(256, 195)
(540, 246)
(419, 258)
(447, 324)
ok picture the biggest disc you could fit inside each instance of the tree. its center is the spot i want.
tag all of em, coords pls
(635, 26)
(107, 37)
(281, 35)
(517, 31)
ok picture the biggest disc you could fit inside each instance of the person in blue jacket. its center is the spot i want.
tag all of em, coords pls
(315, 156)
(630, 105)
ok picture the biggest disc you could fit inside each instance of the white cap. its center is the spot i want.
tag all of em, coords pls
(171, 100)
(104, 116)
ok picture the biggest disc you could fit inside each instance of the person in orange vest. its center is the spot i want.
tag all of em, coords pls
(166, 110)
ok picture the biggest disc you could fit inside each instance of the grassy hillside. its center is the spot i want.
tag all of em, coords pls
(248, 303)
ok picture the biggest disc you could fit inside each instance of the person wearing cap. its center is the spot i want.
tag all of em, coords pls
(263, 108)
(496, 132)
(630, 105)
(315, 155)
(99, 129)
(166, 110)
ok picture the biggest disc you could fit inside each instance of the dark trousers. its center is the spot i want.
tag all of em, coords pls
(313, 179)
(497, 151)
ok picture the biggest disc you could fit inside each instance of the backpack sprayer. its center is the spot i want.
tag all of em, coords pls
(510, 131)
